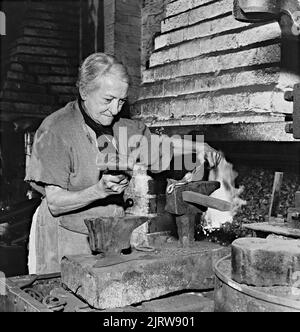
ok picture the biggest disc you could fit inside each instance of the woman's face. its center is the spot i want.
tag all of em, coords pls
(106, 101)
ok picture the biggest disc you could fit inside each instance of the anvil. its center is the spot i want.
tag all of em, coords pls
(186, 200)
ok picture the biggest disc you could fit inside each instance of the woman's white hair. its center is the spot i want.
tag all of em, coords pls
(95, 67)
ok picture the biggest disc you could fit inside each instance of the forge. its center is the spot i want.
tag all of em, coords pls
(225, 70)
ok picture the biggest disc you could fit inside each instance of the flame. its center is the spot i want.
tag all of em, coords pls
(224, 174)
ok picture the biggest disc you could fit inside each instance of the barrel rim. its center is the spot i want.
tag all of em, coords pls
(248, 290)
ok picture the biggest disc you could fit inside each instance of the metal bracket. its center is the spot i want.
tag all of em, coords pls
(295, 97)
(254, 11)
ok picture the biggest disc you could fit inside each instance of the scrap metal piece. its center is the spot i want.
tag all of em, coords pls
(34, 293)
(54, 303)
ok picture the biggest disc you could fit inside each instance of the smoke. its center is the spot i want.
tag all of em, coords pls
(224, 174)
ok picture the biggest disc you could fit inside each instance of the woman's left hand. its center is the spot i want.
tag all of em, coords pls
(207, 153)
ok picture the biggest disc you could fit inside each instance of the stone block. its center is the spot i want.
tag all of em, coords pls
(26, 108)
(20, 76)
(105, 283)
(24, 87)
(178, 7)
(38, 69)
(211, 64)
(27, 49)
(70, 6)
(36, 23)
(175, 22)
(16, 67)
(40, 32)
(203, 83)
(202, 29)
(265, 263)
(225, 102)
(202, 46)
(68, 89)
(210, 11)
(46, 42)
(52, 79)
(69, 71)
(35, 58)
(54, 16)
(196, 15)
(28, 97)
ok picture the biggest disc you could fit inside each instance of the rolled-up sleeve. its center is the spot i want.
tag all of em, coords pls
(50, 161)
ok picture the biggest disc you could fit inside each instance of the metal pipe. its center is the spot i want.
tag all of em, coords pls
(267, 10)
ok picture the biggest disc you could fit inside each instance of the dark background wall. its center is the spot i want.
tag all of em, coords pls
(39, 63)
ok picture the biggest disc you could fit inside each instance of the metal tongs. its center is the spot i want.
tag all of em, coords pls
(196, 175)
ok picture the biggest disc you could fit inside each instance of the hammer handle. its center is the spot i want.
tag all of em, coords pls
(207, 201)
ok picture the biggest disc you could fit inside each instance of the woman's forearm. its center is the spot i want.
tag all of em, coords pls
(61, 201)
(185, 147)
(202, 149)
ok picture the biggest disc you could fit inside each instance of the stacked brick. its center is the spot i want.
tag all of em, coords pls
(207, 67)
(153, 12)
(42, 66)
(122, 37)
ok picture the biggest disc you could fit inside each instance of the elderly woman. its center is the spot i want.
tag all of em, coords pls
(67, 156)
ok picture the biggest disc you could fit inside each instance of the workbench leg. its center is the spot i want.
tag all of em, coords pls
(186, 229)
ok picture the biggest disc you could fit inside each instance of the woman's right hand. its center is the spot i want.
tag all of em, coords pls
(112, 185)
(61, 201)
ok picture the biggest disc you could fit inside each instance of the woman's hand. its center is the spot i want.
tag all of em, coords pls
(203, 151)
(112, 185)
(61, 201)
(207, 153)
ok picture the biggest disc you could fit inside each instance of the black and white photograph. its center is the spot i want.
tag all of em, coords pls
(149, 159)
